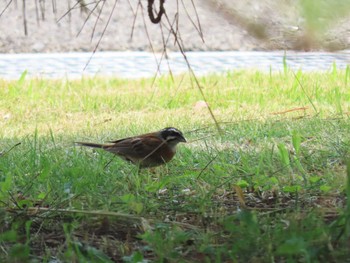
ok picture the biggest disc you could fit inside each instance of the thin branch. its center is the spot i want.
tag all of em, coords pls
(161, 59)
(206, 166)
(24, 18)
(87, 18)
(164, 53)
(103, 32)
(34, 211)
(302, 88)
(198, 21)
(37, 12)
(3, 11)
(198, 28)
(149, 39)
(97, 19)
(68, 11)
(54, 6)
(9, 150)
(42, 9)
(135, 16)
(180, 46)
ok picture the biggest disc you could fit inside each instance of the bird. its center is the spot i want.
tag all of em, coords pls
(145, 150)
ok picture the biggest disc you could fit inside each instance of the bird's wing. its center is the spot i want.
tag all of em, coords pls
(128, 139)
(136, 147)
(120, 140)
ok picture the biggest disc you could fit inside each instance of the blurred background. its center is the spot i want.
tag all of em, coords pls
(67, 25)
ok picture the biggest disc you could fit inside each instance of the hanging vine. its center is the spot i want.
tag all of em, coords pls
(156, 19)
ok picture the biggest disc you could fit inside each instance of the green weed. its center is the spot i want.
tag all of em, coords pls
(271, 187)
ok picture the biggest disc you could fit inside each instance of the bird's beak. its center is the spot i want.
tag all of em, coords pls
(183, 139)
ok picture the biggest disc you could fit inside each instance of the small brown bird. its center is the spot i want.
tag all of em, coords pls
(146, 150)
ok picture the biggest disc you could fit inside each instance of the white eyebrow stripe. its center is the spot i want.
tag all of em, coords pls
(173, 130)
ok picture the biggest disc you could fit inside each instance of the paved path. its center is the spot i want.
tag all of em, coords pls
(143, 64)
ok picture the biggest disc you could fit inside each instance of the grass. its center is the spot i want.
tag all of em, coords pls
(271, 188)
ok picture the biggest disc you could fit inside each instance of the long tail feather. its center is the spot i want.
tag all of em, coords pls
(90, 144)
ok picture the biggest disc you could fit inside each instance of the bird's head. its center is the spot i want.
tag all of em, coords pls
(172, 135)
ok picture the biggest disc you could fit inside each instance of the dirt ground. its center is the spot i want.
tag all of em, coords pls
(225, 25)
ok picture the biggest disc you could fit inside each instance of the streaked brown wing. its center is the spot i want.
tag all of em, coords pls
(120, 140)
(135, 148)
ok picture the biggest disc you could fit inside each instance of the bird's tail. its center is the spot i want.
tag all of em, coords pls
(90, 144)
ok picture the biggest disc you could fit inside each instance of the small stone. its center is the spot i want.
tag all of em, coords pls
(38, 47)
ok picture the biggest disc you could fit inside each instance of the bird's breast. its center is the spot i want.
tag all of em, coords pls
(163, 155)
